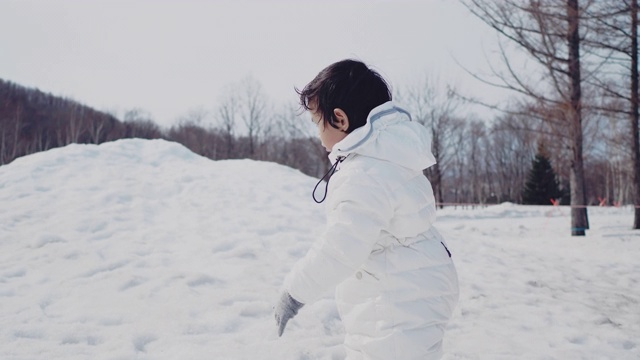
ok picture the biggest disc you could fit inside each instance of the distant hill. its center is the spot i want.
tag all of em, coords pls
(33, 121)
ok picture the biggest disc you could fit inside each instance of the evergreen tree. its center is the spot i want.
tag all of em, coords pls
(542, 184)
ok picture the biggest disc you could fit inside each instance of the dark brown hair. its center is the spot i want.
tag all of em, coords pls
(349, 85)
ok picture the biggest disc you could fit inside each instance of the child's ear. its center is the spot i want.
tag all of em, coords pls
(342, 120)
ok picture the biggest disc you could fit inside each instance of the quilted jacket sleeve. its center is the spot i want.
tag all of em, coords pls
(358, 209)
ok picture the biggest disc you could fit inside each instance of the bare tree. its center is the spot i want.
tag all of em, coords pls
(244, 104)
(510, 150)
(435, 108)
(139, 124)
(9, 148)
(226, 116)
(252, 111)
(635, 115)
(293, 142)
(548, 31)
(75, 123)
(616, 25)
(200, 138)
(477, 132)
(99, 127)
(458, 188)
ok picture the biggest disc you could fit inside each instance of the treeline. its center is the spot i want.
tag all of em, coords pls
(478, 161)
(482, 161)
(33, 121)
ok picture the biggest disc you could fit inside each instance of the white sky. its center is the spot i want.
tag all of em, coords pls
(170, 57)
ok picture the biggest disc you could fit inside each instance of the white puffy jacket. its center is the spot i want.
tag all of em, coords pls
(396, 286)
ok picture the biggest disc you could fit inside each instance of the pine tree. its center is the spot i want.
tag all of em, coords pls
(542, 184)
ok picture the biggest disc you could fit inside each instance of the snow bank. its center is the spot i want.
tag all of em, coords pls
(142, 249)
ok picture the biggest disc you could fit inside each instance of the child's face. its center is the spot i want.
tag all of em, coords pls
(329, 136)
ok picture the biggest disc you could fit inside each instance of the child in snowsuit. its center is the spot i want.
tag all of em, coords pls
(396, 285)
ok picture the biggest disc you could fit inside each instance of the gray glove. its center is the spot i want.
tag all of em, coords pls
(285, 310)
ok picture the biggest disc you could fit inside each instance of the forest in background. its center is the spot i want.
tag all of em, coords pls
(480, 162)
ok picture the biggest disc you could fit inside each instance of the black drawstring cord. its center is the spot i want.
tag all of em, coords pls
(445, 247)
(329, 173)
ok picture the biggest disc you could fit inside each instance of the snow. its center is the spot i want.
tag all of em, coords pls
(140, 249)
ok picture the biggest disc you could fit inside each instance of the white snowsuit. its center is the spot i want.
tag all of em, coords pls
(396, 284)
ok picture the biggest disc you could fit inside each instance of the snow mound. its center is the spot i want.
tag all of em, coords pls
(138, 248)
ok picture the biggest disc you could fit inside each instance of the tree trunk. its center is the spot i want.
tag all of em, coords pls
(435, 169)
(579, 220)
(16, 135)
(439, 180)
(3, 145)
(634, 112)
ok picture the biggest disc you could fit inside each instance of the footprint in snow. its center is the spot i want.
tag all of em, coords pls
(140, 342)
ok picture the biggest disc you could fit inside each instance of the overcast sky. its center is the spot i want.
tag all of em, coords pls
(170, 57)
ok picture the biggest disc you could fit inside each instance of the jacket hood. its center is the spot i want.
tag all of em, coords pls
(390, 135)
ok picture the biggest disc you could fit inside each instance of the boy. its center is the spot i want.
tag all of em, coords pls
(396, 286)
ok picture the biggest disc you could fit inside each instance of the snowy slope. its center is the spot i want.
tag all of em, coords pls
(140, 249)
(531, 291)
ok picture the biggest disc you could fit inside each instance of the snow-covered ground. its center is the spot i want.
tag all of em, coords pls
(141, 249)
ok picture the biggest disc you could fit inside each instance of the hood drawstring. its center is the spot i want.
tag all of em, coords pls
(328, 175)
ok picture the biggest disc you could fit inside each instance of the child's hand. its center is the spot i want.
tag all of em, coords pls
(285, 310)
